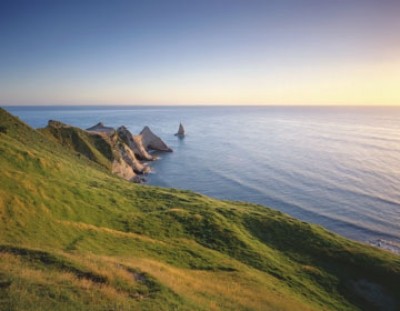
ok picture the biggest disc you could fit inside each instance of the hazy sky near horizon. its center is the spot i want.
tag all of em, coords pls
(344, 52)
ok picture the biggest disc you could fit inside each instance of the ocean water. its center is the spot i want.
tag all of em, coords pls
(337, 167)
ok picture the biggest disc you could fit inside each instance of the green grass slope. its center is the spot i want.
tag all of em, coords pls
(93, 146)
(74, 237)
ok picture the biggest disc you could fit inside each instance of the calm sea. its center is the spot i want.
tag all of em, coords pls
(337, 167)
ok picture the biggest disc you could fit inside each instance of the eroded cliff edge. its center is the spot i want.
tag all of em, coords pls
(118, 150)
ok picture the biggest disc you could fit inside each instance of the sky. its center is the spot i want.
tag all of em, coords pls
(208, 52)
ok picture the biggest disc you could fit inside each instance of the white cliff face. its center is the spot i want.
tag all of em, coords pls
(140, 150)
(128, 150)
(152, 141)
(135, 143)
(123, 170)
(127, 166)
(130, 158)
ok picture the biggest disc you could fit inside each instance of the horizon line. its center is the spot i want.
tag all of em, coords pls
(206, 105)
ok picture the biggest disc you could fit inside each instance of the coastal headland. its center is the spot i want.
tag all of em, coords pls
(75, 236)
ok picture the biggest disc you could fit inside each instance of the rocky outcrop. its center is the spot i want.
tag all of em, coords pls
(152, 141)
(123, 170)
(135, 142)
(127, 166)
(140, 149)
(129, 157)
(99, 127)
(181, 131)
(124, 162)
(117, 150)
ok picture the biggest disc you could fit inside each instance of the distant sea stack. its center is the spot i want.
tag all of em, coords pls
(181, 131)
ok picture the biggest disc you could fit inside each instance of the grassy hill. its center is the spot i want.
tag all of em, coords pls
(75, 237)
(93, 146)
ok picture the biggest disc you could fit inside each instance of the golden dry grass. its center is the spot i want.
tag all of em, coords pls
(220, 290)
